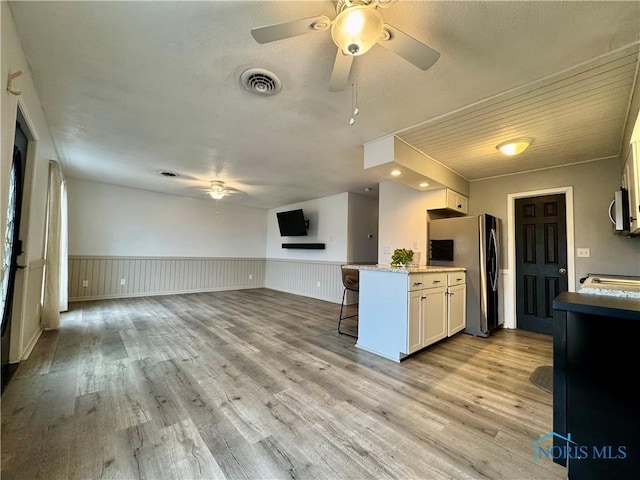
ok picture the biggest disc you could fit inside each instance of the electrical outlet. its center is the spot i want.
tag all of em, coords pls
(387, 249)
(122, 281)
(584, 252)
(85, 283)
(415, 244)
(251, 276)
(318, 284)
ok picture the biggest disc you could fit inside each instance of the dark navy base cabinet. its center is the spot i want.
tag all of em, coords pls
(596, 369)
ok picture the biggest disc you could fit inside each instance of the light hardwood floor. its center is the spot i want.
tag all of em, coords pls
(258, 384)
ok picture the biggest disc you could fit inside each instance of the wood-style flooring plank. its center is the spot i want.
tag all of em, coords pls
(258, 384)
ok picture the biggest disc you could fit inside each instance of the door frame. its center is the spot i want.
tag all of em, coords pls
(18, 350)
(510, 317)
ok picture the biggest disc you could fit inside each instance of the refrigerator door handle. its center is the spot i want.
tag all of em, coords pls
(494, 261)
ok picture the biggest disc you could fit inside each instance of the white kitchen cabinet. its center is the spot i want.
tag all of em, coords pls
(403, 310)
(456, 309)
(631, 181)
(434, 315)
(447, 199)
(430, 300)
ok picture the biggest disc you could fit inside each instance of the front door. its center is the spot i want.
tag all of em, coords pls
(13, 246)
(541, 259)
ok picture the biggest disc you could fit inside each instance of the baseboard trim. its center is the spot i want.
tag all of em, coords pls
(31, 345)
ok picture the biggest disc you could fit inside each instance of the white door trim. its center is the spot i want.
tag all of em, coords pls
(510, 283)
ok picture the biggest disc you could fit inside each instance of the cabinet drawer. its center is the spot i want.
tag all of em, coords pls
(432, 280)
(456, 278)
(416, 281)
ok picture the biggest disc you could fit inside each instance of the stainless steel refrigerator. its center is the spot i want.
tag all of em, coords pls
(472, 242)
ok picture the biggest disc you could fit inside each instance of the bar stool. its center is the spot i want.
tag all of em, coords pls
(351, 283)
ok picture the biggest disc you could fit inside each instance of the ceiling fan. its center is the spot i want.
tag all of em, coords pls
(357, 26)
(218, 190)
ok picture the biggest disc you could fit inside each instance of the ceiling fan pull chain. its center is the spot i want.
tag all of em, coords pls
(354, 102)
(355, 110)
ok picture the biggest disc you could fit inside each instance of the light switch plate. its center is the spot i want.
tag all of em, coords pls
(583, 252)
(387, 249)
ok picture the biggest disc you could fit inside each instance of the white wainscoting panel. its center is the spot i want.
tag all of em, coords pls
(322, 280)
(145, 276)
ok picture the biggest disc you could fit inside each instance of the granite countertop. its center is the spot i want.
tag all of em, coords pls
(601, 305)
(418, 269)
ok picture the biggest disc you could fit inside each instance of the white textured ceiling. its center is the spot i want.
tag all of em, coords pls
(131, 88)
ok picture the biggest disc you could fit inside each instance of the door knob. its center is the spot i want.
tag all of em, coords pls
(563, 271)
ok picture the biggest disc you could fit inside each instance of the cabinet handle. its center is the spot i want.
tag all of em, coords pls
(436, 281)
(459, 206)
(423, 298)
(458, 279)
(417, 283)
(451, 294)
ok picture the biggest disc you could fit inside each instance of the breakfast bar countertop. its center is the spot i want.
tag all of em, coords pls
(418, 269)
(601, 305)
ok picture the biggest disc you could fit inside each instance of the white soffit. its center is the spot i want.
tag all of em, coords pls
(574, 116)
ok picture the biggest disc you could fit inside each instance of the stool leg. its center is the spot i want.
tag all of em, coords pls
(342, 318)
(344, 293)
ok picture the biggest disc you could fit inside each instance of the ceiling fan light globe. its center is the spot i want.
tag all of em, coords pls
(216, 195)
(356, 29)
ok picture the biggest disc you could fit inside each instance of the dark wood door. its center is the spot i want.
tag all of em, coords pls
(541, 259)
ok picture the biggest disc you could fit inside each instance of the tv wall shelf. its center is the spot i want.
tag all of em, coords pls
(311, 246)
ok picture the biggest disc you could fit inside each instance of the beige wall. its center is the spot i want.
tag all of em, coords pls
(593, 186)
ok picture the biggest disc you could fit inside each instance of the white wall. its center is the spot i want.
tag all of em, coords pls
(328, 218)
(362, 229)
(107, 220)
(402, 221)
(26, 319)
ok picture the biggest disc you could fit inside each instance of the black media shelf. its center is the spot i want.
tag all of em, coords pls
(311, 246)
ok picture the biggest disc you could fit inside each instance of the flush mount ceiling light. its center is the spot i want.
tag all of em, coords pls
(515, 146)
(396, 173)
(424, 184)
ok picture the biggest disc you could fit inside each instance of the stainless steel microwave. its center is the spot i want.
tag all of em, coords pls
(619, 212)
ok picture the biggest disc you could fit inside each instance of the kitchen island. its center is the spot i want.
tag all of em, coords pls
(595, 369)
(405, 309)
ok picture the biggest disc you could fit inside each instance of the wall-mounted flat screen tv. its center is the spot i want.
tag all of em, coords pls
(292, 223)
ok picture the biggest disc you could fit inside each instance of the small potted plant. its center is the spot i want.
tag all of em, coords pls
(401, 257)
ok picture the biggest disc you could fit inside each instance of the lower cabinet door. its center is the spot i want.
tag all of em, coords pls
(414, 340)
(457, 308)
(434, 315)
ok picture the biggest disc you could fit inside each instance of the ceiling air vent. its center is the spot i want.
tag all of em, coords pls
(165, 173)
(260, 81)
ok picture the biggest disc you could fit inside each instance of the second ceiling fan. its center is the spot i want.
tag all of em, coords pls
(357, 26)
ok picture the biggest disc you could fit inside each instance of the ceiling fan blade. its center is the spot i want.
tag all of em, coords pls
(280, 31)
(341, 70)
(416, 52)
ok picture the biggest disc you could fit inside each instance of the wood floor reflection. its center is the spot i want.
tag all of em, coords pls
(258, 384)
